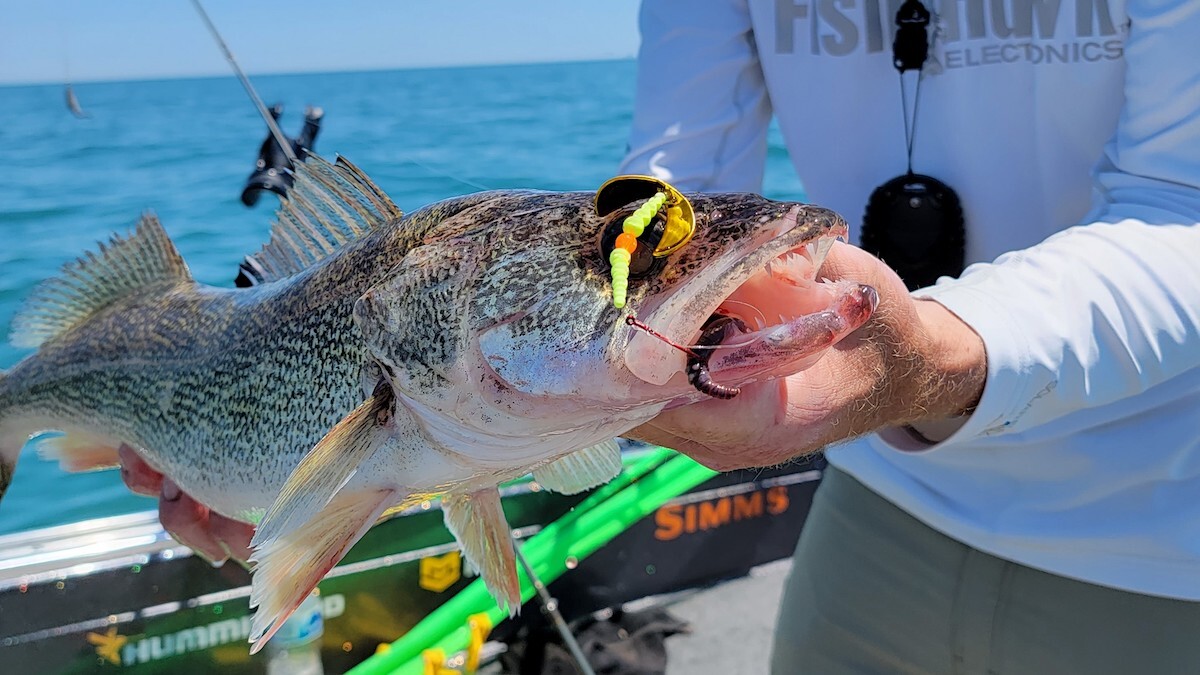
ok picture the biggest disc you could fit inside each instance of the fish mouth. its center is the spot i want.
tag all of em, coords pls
(756, 312)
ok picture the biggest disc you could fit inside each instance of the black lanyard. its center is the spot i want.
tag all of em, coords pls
(909, 51)
(914, 223)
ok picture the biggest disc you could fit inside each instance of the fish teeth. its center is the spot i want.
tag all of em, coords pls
(778, 267)
(790, 265)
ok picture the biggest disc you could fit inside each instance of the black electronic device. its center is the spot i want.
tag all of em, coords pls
(915, 224)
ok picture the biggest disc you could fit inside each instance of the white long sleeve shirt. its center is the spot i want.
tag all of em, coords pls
(1071, 131)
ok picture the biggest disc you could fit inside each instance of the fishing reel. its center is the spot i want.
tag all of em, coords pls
(272, 173)
(271, 170)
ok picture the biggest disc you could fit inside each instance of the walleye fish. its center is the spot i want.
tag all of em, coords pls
(392, 358)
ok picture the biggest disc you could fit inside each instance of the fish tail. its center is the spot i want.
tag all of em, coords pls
(10, 444)
(6, 473)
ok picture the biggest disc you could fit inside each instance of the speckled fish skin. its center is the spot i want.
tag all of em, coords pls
(223, 390)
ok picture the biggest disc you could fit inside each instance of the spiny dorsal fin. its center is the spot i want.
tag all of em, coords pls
(123, 266)
(327, 206)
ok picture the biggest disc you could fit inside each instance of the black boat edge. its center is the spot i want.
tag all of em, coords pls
(119, 595)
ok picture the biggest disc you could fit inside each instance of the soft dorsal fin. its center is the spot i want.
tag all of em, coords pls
(327, 206)
(123, 266)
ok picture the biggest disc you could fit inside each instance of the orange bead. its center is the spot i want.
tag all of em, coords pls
(626, 241)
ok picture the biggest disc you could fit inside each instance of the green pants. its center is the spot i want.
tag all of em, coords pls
(873, 590)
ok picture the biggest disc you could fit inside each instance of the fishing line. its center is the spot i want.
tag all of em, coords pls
(730, 301)
(443, 174)
(276, 132)
(633, 322)
(284, 143)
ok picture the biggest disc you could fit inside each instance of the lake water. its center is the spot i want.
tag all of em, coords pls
(183, 148)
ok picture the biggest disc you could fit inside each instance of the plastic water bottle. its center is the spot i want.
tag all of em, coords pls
(296, 647)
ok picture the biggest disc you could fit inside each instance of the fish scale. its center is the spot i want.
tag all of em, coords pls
(255, 354)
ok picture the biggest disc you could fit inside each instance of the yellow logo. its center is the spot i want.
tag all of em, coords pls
(108, 645)
(439, 572)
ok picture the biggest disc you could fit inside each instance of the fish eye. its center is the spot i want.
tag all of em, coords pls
(643, 263)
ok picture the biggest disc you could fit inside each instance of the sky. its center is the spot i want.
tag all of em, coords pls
(52, 41)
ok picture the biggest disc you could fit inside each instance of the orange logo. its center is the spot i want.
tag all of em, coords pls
(675, 520)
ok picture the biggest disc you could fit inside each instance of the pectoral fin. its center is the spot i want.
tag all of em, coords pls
(477, 522)
(313, 521)
(288, 567)
(581, 470)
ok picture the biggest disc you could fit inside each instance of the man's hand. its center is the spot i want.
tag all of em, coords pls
(209, 534)
(913, 361)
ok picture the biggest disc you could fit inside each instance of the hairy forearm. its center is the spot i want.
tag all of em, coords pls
(954, 367)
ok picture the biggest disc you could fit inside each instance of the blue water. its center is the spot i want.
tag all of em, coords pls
(183, 148)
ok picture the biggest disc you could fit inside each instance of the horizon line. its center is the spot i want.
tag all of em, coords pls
(332, 71)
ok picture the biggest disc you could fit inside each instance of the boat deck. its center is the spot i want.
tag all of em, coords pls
(733, 624)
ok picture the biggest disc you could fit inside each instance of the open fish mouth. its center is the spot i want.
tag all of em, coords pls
(759, 312)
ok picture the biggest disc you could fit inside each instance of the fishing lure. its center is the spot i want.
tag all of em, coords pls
(627, 242)
(699, 354)
(697, 364)
(678, 226)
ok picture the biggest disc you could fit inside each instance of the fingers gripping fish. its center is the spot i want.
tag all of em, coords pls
(393, 358)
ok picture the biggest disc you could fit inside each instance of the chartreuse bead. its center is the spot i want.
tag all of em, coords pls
(618, 260)
(626, 243)
(637, 221)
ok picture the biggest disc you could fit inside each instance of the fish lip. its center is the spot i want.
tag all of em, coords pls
(661, 362)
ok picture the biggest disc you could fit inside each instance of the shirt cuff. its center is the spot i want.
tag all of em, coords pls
(1007, 350)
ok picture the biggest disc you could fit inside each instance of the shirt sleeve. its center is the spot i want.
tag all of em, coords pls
(1109, 308)
(701, 111)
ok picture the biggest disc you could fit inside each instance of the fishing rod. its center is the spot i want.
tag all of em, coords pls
(276, 132)
(282, 140)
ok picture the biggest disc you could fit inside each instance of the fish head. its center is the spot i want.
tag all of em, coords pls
(501, 328)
